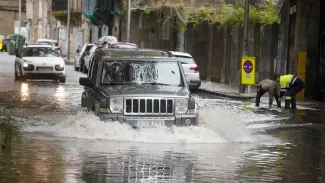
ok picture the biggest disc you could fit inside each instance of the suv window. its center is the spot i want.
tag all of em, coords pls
(185, 60)
(122, 72)
(93, 67)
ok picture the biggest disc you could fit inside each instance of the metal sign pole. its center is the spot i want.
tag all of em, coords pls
(128, 22)
(19, 24)
(68, 29)
(246, 17)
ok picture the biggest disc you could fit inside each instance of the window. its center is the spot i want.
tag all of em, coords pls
(122, 72)
(40, 52)
(185, 60)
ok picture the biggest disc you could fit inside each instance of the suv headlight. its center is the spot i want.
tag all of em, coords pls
(181, 105)
(116, 105)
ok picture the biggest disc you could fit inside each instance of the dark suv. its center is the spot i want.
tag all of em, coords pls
(140, 87)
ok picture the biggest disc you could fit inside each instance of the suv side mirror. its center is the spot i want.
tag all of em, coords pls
(78, 51)
(84, 81)
(194, 84)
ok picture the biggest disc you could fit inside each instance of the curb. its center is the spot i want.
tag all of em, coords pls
(68, 62)
(236, 97)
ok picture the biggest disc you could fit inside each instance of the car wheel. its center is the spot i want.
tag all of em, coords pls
(81, 67)
(16, 75)
(85, 70)
(21, 77)
(62, 79)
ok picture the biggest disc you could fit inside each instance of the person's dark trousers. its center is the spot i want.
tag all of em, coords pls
(277, 99)
(294, 89)
(259, 94)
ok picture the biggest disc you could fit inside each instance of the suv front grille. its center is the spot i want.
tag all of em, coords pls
(147, 106)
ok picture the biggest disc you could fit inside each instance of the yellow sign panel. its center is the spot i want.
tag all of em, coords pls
(302, 61)
(0, 43)
(248, 70)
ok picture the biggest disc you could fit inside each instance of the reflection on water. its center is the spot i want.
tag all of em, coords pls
(60, 95)
(24, 96)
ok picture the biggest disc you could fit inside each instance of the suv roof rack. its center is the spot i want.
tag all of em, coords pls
(135, 52)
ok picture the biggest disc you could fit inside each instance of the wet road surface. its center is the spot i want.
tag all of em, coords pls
(45, 137)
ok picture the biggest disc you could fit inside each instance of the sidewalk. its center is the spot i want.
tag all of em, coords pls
(68, 62)
(226, 91)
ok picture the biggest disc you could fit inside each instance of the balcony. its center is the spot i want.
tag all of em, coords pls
(59, 11)
(101, 12)
(11, 5)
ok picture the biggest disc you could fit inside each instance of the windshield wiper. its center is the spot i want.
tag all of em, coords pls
(164, 84)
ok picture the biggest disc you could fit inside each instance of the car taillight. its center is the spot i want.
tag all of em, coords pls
(194, 68)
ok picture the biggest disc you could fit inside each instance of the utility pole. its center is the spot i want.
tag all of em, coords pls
(128, 22)
(68, 29)
(19, 24)
(246, 17)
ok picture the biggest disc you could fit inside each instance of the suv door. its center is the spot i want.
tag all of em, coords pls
(89, 96)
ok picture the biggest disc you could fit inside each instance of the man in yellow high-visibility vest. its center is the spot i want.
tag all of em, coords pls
(290, 86)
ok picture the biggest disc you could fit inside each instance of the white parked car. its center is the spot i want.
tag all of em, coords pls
(79, 57)
(39, 62)
(191, 70)
(88, 57)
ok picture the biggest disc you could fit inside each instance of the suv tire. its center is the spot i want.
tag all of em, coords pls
(62, 79)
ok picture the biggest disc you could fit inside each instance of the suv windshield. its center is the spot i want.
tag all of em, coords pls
(141, 72)
(40, 52)
(185, 60)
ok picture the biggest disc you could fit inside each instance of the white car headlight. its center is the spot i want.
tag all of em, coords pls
(181, 105)
(116, 105)
(61, 65)
(25, 64)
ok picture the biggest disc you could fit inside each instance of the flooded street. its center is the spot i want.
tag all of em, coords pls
(46, 137)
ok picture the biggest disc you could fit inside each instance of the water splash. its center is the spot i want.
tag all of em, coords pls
(217, 125)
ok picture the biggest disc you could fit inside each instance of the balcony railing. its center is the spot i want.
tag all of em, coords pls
(60, 11)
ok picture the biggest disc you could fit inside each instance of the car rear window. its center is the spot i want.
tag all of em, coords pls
(48, 43)
(185, 60)
(123, 46)
(88, 47)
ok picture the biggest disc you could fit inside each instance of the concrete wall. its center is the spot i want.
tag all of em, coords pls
(216, 51)
(8, 16)
(7, 22)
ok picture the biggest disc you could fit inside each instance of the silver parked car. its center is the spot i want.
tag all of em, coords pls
(88, 57)
(191, 70)
(79, 61)
(140, 87)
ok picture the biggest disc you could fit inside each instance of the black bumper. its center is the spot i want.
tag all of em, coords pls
(43, 76)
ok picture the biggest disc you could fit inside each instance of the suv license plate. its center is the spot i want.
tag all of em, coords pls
(149, 123)
(44, 70)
